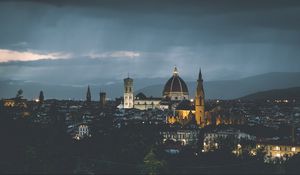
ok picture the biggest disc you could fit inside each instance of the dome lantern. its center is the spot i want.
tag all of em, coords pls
(175, 72)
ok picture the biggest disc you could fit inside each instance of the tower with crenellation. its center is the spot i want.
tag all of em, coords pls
(128, 93)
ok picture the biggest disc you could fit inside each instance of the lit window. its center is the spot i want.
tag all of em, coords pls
(277, 148)
(293, 149)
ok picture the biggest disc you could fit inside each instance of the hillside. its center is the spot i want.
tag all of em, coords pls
(289, 94)
(231, 89)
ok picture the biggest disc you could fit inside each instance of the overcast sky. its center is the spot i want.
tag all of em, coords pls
(107, 39)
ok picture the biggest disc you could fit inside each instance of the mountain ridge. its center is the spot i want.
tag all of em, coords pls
(275, 94)
(223, 89)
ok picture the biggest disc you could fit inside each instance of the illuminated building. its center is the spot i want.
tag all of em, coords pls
(277, 151)
(185, 137)
(187, 110)
(212, 140)
(199, 102)
(83, 131)
(175, 88)
(13, 102)
(220, 115)
(142, 102)
(128, 93)
(184, 113)
(9, 102)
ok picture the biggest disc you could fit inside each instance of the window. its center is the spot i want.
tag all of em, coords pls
(293, 149)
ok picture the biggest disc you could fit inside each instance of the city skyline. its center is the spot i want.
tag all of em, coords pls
(150, 87)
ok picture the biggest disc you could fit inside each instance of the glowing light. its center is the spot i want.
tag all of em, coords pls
(293, 149)
(253, 153)
(37, 100)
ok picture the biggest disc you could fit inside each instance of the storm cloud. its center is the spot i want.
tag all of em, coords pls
(106, 40)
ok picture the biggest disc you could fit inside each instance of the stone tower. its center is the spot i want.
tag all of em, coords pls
(128, 93)
(88, 95)
(199, 102)
(102, 99)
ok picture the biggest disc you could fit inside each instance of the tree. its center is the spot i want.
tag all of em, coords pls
(19, 94)
(151, 164)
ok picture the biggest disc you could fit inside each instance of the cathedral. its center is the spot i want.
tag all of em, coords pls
(187, 111)
(175, 96)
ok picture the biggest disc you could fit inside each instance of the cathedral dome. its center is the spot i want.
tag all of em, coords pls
(175, 88)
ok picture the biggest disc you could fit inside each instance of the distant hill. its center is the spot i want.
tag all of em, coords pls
(227, 89)
(289, 94)
(8, 89)
(231, 89)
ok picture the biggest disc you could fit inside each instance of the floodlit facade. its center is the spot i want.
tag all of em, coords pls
(278, 151)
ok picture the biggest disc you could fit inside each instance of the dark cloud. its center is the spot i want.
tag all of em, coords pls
(228, 39)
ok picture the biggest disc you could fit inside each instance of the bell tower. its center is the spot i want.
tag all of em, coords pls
(199, 101)
(128, 93)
